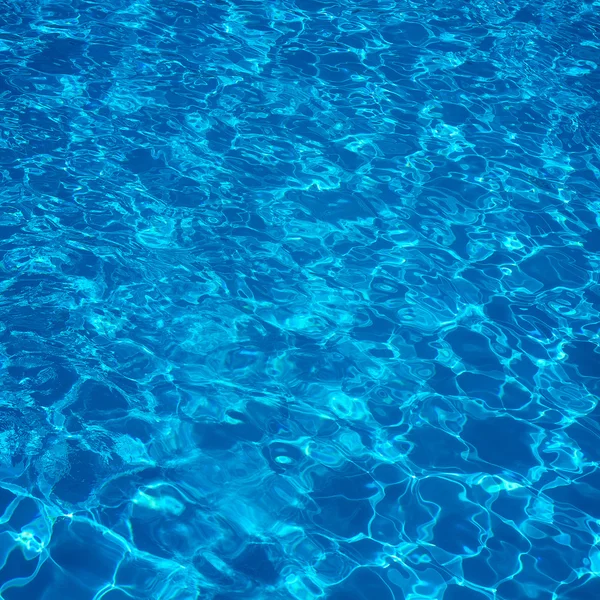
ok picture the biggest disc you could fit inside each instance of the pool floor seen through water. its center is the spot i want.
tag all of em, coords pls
(299, 300)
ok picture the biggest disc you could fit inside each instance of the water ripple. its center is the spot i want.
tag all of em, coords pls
(299, 300)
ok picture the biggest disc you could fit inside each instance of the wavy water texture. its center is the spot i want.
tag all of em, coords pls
(300, 300)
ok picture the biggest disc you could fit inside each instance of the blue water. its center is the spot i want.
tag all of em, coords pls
(299, 300)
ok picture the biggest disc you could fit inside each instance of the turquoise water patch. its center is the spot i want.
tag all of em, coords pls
(299, 300)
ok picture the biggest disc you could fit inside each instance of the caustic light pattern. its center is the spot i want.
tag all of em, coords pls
(299, 300)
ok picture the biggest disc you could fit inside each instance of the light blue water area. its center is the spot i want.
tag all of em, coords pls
(299, 300)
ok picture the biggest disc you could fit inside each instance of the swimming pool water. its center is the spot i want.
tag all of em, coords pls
(299, 300)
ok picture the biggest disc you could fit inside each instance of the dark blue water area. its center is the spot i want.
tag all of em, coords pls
(299, 300)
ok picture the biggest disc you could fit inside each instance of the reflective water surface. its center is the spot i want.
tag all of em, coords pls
(299, 300)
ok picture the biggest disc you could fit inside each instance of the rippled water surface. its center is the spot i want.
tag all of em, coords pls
(299, 300)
